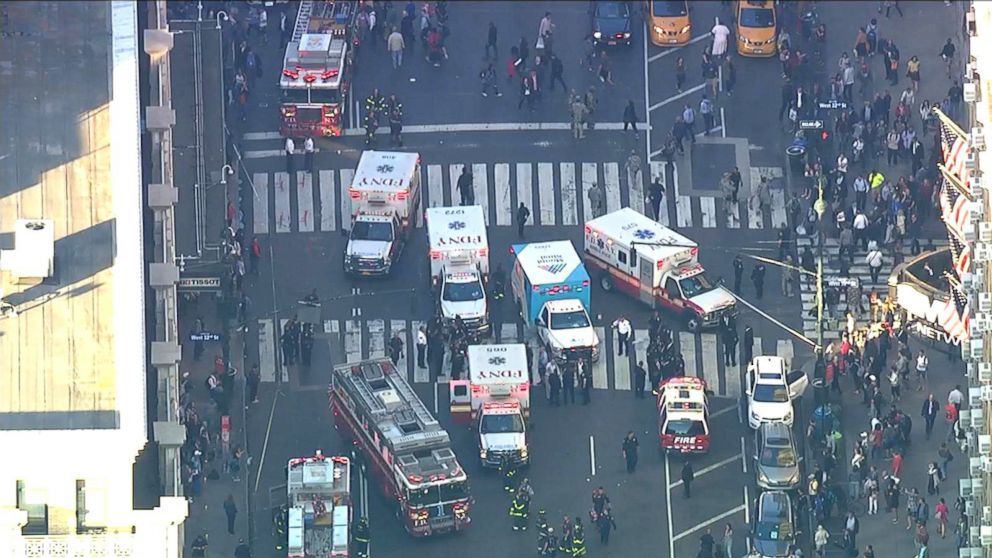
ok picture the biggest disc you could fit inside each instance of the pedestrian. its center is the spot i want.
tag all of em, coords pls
(290, 149)
(945, 455)
(630, 117)
(738, 274)
(466, 186)
(687, 477)
(528, 92)
(585, 381)
(422, 347)
(629, 451)
(707, 543)
(758, 279)
(922, 363)
(605, 71)
(933, 478)
(706, 109)
(874, 261)
(254, 255)
(242, 550)
(285, 31)
(656, 194)
(554, 387)
(395, 121)
(231, 511)
(689, 117)
(523, 214)
(199, 548)
(639, 375)
(395, 44)
(820, 540)
(597, 200)
(941, 512)
(488, 78)
(623, 328)
(491, 36)
(728, 541)
(679, 74)
(252, 379)
(557, 73)
(308, 151)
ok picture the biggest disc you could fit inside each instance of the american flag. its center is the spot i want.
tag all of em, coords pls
(955, 317)
(955, 150)
(955, 210)
(960, 255)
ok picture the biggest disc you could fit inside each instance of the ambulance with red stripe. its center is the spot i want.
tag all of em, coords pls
(683, 416)
(495, 399)
(636, 255)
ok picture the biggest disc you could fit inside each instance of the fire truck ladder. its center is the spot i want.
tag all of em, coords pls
(310, 9)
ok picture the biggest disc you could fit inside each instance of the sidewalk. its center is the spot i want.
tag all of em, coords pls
(207, 514)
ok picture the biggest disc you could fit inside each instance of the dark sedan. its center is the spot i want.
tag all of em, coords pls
(774, 526)
(610, 23)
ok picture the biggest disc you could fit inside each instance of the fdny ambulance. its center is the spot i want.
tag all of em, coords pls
(551, 290)
(459, 257)
(385, 199)
(655, 264)
(496, 400)
(683, 416)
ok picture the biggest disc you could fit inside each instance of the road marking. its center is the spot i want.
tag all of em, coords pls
(668, 505)
(755, 216)
(266, 351)
(592, 456)
(420, 375)
(328, 203)
(569, 204)
(757, 350)
(708, 522)
(747, 507)
(707, 208)
(525, 190)
(347, 177)
(599, 377)
(732, 375)
(589, 177)
(743, 455)
(785, 349)
(377, 338)
(723, 115)
(263, 153)
(304, 201)
(508, 334)
(260, 205)
(265, 442)
(480, 179)
(283, 216)
(673, 50)
(435, 186)
(353, 341)
(611, 181)
(399, 327)
(658, 171)
(454, 171)
(733, 214)
(621, 372)
(504, 204)
(546, 192)
(709, 468)
(675, 97)
(711, 354)
(723, 411)
(683, 211)
(687, 346)
(779, 218)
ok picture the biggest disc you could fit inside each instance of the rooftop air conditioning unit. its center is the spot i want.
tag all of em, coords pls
(971, 91)
(984, 445)
(984, 372)
(971, 159)
(977, 422)
(33, 258)
(978, 138)
(985, 302)
(964, 488)
(975, 470)
(986, 535)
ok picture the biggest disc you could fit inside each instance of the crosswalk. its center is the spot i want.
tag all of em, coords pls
(355, 339)
(835, 324)
(555, 192)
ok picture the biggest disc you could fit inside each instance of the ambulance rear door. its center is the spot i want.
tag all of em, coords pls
(646, 276)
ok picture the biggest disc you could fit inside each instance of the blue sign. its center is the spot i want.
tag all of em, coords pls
(204, 336)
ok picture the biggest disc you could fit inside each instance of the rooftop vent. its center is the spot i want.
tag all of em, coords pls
(33, 258)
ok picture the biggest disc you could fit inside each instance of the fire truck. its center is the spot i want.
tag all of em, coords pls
(404, 445)
(683, 416)
(656, 265)
(319, 506)
(316, 72)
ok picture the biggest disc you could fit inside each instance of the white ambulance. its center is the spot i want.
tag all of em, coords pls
(683, 416)
(627, 250)
(385, 199)
(459, 256)
(496, 399)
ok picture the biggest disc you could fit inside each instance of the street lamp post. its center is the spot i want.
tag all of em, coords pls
(820, 207)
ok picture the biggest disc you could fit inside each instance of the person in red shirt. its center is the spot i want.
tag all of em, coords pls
(897, 464)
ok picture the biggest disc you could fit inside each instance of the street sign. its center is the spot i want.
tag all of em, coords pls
(833, 105)
(204, 336)
(810, 124)
(198, 283)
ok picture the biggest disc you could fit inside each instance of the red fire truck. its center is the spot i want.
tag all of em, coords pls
(403, 444)
(316, 72)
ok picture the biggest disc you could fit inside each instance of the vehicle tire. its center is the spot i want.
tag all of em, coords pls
(606, 282)
(693, 323)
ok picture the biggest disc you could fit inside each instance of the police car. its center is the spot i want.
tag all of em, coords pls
(683, 416)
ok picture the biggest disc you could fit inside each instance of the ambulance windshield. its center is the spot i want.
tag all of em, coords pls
(695, 285)
(501, 424)
(371, 230)
(462, 292)
(569, 320)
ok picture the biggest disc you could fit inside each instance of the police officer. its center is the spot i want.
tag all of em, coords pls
(395, 121)
(639, 374)
(738, 273)
(306, 343)
(519, 510)
(578, 539)
(758, 278)
(362, 538)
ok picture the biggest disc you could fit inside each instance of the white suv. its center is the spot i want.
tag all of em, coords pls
(770, 390)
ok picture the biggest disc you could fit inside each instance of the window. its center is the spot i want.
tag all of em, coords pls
(32, 500)
(673, 289)
(91, 506)
(622, 257)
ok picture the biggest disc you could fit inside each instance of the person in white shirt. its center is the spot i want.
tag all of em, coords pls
(720, 33)
(308, 150)
(422, 347)
(955, 397)
(290, 149)
(922, 362)
(623, 329)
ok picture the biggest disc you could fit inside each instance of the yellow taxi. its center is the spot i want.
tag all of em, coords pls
(756, 28)
(668, 22)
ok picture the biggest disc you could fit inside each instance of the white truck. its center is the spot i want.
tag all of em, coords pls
(660, 267)
(459, 256)
(495, 399)
(319, 506)
(385, 199)
(551, 289)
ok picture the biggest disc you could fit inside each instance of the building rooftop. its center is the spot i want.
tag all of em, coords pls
(72, 353)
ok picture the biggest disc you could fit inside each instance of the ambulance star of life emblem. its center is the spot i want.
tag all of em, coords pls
(382, 169)
(497, 361)
(456, 225)
(644, 234)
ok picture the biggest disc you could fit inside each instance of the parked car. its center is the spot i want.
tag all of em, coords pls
(774, 525)
(777, 462)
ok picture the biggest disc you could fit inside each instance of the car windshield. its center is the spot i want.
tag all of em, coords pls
(436, 494)
(569, 320)
(757, 17)
(695, 285)
(685, 427)
(500, 424)
(767, 393)
(462, 292)
(778, 457)
(367, 230)
(611, 10)
(668, 8)
(772, 530)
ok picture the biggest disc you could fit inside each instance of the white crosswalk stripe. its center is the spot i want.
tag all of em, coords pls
(553, 192)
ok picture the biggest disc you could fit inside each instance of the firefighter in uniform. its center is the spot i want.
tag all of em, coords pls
(279, 526)
(508, 472)
(395, 114)
(547, 544)
(375, 105)
(542, 522)
(362, 538)
(519, 510)
(578, 539)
